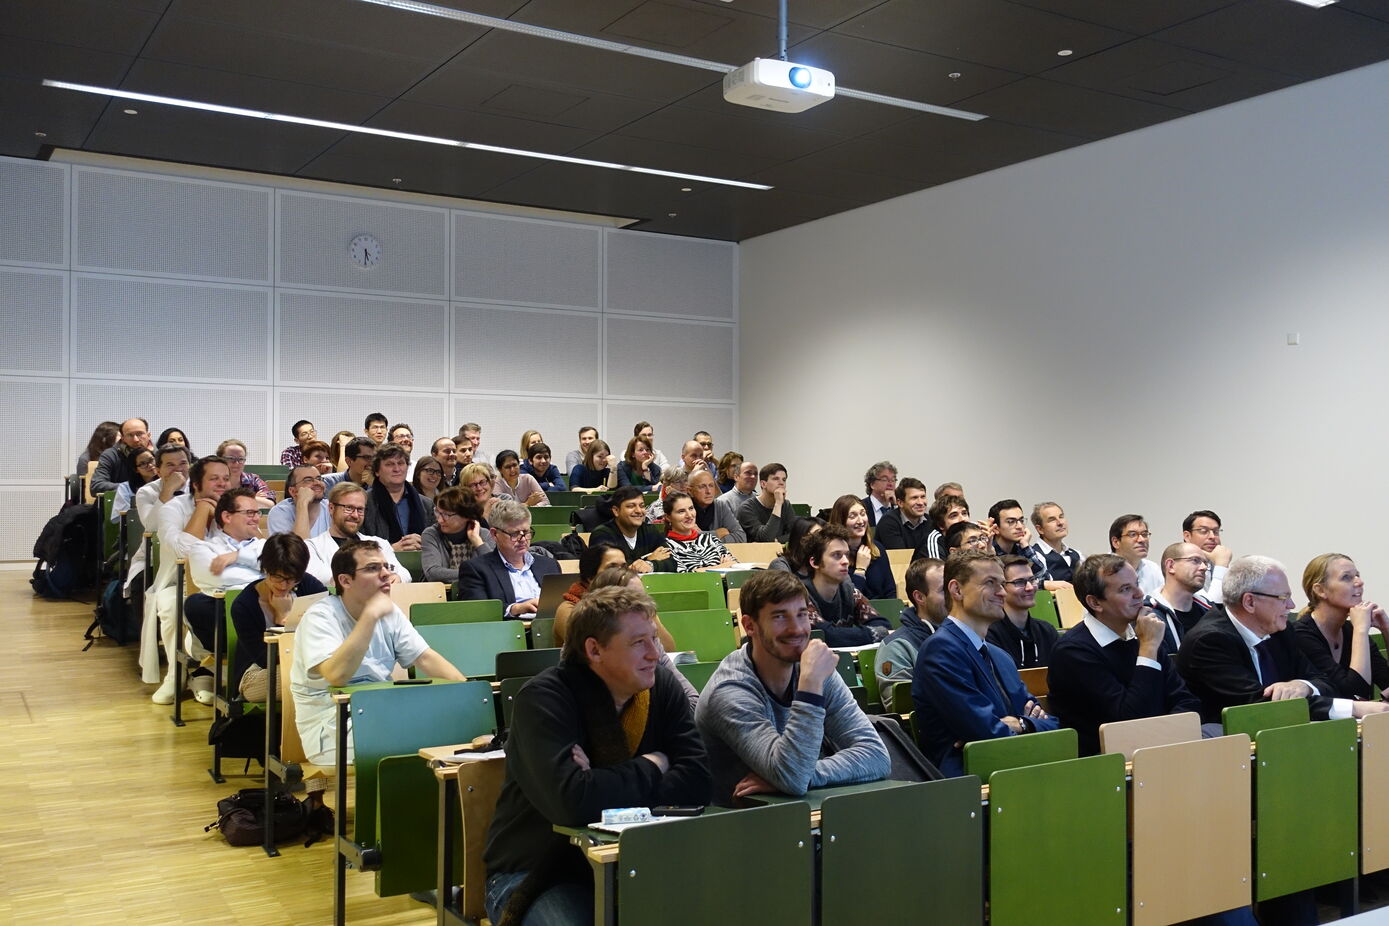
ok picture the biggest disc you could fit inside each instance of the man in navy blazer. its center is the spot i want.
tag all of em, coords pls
(964, 689)
(511, 573)
(881, 483)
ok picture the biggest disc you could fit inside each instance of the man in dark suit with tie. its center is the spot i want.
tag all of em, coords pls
(964, 689)
(511, 573)
(1244, 651)
(1111, 666)
(881, 483)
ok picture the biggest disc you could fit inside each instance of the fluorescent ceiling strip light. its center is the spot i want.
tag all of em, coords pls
(387, 133)
(510, 25)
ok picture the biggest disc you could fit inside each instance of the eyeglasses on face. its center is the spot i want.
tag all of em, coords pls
(516, 536)
(374, 569)
(350, 509)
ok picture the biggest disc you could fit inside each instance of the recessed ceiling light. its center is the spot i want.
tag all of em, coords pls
(131, 112)
(954, 75)
(386, 133)
(1315, 3)
(671, 215)
(686, 189)
(397, 180)
(1065, 53)
(40, 134)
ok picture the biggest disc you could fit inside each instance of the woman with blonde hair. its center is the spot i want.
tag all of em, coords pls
(1334, 629)
(597, 472)
(234, 452)
(337, 450)
(529, 437)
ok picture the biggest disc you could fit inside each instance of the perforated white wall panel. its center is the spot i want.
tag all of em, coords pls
(33, 315)
(36, 451)
(673, 424)
(33, 212)
(664, 275)
(207, 414)
(503, 418)
(337, 410)
(145, 223)
(315, 232)
(519, 260)
(654, 358)
(169, 328)
(27, 510)
(526, 350)
(329, 339)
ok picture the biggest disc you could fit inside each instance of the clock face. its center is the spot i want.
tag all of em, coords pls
(364, 251)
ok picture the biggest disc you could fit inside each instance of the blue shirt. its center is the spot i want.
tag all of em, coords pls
(281, 519)
(523, 583)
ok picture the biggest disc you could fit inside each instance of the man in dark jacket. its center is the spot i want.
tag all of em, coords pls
(117, 463)
(893, 662)
(643, 543)
(606, 728)
(511, 574)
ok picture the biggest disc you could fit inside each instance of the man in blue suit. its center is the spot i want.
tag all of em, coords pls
(964, 689)
(510, 574)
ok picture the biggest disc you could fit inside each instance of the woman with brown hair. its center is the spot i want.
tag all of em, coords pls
(868, 564)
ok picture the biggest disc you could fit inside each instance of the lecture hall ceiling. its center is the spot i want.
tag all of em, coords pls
(1132, 63)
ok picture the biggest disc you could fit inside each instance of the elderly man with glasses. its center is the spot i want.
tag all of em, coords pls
(881, 483)
(347, 507)
(513, 572)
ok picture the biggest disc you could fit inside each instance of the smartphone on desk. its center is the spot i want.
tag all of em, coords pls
(671, 810)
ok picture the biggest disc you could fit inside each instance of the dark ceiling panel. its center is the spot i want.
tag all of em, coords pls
(484, 128)
(995, 33)
(1280, 35)
(897, 71)
(817, 14)
(33, 61)
(1166, 74)
(753, 134)
(229, 89)
(298, 58)
(823, 174)
(587, 189)
(423, 168)
(65, 117)
(840, 116)
(1053, 107)
(86, 23)
(1375, 8)
(644, 152)
(1138, 17)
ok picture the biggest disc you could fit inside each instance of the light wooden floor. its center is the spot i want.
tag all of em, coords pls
(103, 800)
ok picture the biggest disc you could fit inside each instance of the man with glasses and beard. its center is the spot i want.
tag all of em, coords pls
(347, 506)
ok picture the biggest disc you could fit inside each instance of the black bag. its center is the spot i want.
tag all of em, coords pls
(239, 817)
(573, 544)
(117, 619)
(240, 737)
(68, 553)
(908, 762)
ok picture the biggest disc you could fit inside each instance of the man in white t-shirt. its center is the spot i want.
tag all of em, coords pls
(356, 636)
(346, 505)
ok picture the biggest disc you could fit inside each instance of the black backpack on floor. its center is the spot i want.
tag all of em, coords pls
(69, 558)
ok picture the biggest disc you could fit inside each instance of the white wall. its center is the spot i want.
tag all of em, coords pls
(226, 305)
(1106, 326)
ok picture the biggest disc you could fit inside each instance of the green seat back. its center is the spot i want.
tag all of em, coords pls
(700, 862)
(801, 509)
(523, 663)
(507, 697)
(1265, 715)
(848, 668)
(738, 577)
(984, 757)
(1044, 608)
(680, 601)
(553, 514)
(473, 648)
(565, 499)
(890, 609)
(1073, 812)
(410, 562)
(1379, 641)
(901, 698)
(110, 530)
(1306, 806)
(543, 633)
(271, 470)
(134, 532)
(710, 583)
(550, 532)
(399, 720)
(865, 659)
(407, 807)
(877, 837)
(698, 673)
(424, 614)
(229, 632)
(709, 633)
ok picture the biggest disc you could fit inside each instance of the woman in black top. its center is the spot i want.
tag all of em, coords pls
(265, 603)
(1334, 630)
(637, 467)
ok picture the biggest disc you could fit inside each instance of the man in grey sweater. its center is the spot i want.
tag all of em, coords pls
(776, 705)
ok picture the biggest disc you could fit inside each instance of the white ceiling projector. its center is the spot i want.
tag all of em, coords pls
(781, 86)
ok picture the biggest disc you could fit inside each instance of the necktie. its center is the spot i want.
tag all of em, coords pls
(1268, 671)
(993, 669)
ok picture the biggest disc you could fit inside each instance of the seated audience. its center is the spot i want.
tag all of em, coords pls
(1203, 528)
(644, 543)
(265, 603)
(905, 527)
(478, 480)
(445, 452)
(428, 478)
(234, 452)
(145, 472)
(621, 576)
(1244, 651)
(596, 473)
(775, 716)
(606, 728)
(302, 510)
(1334, 629)
(404, 435)
(836, 607)
(1178, 603)
(944, 511)
(471, 433)
(744, 488)
(174, 436)
(1027, 640)
(964, 535)
(103, 436)
(1060, 558)
(529, 437)
(347, 506)
(539, 467)
(869, 568)
(896, 657)
(1128, 537)
(1010, 535)
(637, 467)
(948, 488)
(881, 483)
(512, 573)
(302, 432)
(520, 486)
(709, 515)
(674, 479)
(228, 559)
(593, 560)
(317, 455)
(359, 454)
(117, 463)
(172, 466)
(644, 430)
(964, 689)
(376, 426)
(729, 464)
(337, 450)
(693, 457)
(458, 534)
(1111, 666)
(766, 517)
(587, 435)
(355, 636)
(692, 549)
(394, 509)
(792, 557)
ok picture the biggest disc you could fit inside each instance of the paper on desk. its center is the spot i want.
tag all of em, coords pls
(473, 755)
(616, 828)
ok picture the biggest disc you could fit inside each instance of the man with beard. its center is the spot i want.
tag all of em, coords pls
(302, 510)
(775, 715)
(347, 505)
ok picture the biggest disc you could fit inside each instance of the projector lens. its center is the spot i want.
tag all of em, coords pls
(800, 77)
